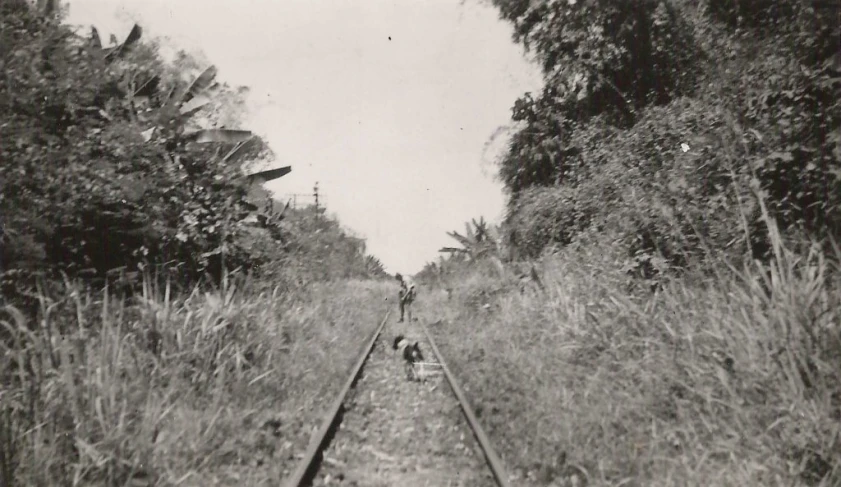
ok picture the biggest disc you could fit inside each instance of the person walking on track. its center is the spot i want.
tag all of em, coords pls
(407, 295)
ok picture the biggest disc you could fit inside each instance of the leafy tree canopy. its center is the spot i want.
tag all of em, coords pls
(662, 122)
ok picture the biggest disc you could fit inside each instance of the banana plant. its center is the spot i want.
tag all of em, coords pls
(263, 177)
(48, 8)
(165, 115)
(475, 243)
(177, 107)
(111, 54)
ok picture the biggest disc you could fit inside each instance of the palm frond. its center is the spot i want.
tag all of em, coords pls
(200, 84)
(452, 250)
(195, 104)
(269, 175)
(460, 238)
(226, 136)
(96, 41)
(132, 38)
(149, 87)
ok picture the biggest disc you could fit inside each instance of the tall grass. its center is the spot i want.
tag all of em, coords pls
(159, 389)
(729, 380)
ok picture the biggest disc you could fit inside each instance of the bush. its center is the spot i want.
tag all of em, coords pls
(681, 182)
(165, 386)
(104, 164)
(542, 217)
(712, 380)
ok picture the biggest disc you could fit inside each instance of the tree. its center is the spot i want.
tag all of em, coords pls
(106, 161)
(475, 243)
(662, 122)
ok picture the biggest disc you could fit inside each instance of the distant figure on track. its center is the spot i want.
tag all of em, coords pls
(407, 295)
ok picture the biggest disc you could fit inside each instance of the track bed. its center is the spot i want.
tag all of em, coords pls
(399, 432)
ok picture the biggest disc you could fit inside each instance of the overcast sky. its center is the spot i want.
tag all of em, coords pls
(394, 130)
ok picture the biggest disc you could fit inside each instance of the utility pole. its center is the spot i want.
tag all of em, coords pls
(315, 194)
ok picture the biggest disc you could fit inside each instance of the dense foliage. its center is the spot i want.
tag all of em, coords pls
(663, 123)
(99, 170)
(115, 160)
(320, 249)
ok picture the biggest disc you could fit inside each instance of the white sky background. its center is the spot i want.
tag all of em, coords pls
(393, 130)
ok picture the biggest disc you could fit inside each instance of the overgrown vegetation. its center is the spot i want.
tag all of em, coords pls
(115, 159)
(660, 306)
(320, 249)
(667, 309)
(660, 121)
(102, 165)
(139, 340)
(725, 380)
(206, 388)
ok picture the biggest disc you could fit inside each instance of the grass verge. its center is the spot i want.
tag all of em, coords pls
(215, 388)
(729, 380)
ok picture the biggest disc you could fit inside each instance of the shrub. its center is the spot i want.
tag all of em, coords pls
(104, 164)
(681, 180)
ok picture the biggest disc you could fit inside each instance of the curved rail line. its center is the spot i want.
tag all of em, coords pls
(305, 472)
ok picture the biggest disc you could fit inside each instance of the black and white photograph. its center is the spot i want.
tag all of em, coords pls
(420, 243)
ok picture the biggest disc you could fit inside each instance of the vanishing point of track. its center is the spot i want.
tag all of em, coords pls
(309, 465)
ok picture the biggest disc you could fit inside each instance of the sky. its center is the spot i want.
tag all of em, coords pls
(387, 104)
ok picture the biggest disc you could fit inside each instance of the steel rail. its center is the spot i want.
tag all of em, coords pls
(317, 443)
(494, 462)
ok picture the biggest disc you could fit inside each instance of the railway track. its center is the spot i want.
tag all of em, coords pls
(383, 430)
